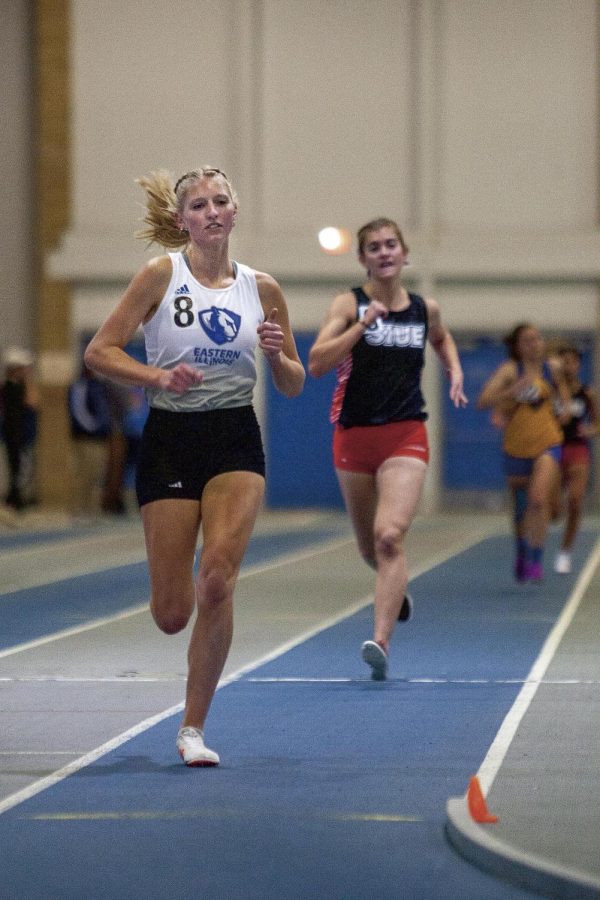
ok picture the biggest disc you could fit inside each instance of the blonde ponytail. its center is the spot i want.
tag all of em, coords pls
(161, 211)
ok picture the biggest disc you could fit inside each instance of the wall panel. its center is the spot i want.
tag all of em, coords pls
(153, 89)
(337, 113)
(17, 224)
(487, 307)
(519, 133)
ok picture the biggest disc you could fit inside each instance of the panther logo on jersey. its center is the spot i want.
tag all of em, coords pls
(221, 325)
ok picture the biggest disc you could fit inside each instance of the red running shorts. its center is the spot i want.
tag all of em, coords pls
(364, 448)
(574, 455)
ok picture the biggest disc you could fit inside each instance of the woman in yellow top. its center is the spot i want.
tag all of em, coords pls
(524, 389)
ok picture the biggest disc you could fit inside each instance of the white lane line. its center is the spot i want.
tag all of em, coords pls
(314, 550)
(43, 783)
(41, 752)
(34, 566)
(91, 679)
(309, 552)
(467, 681)
(76, 629)
(169, 679)
(495, 756)
(88, 758)
(289, 559)
(221, 812)
(22, 572)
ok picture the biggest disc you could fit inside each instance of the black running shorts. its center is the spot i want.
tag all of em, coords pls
(181, 451)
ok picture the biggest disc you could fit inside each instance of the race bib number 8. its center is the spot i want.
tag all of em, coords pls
(184, 311)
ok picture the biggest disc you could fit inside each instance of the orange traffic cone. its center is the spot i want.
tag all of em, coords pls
(476, 802)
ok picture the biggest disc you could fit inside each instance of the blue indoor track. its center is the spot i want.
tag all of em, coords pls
(330, 785)
(32, 613)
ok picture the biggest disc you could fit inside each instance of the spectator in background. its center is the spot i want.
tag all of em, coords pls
(89, 414)
(133, 428)
(113, 494)
(19, 403)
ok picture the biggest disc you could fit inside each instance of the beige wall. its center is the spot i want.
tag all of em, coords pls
(474, 122)
(518, 124)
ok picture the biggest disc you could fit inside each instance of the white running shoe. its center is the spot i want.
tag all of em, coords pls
(562, 563)
(190, 743)
(376, 657)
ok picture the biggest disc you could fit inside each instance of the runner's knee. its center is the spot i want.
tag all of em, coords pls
(169, 620)
(388, 541)
(536, 502)
(215, 577)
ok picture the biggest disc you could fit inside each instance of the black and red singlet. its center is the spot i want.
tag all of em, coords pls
(380, 380)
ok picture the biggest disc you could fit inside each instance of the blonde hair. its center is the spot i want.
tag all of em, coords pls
(165, 199)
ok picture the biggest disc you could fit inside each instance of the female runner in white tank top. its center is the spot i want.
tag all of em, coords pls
(201, 461)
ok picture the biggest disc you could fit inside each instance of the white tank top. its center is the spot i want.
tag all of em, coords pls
(211, 329)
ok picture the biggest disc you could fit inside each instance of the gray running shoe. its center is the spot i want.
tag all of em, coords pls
(376, 657)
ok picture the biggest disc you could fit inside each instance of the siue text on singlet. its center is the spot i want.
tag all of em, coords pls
(390, 334)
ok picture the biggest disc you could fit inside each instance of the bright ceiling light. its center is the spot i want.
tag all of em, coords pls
(334, 240)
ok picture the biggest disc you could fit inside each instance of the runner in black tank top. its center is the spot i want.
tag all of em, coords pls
(575, 464)
(375, 336)
(384, 382)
